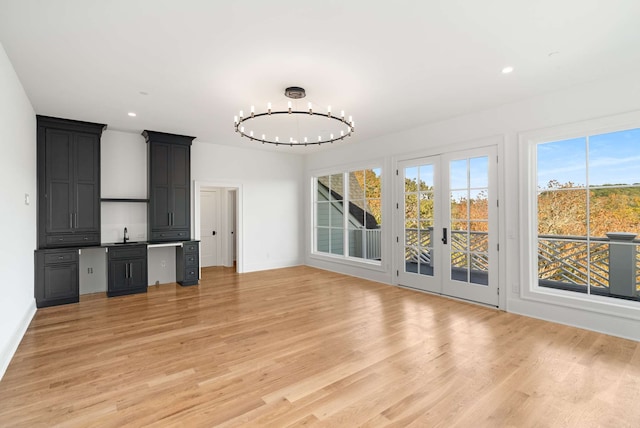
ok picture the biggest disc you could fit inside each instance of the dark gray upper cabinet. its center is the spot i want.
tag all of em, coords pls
(169, 186)
(68, 182)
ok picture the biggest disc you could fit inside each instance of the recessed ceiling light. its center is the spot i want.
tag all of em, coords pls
(507, 70)
(132, 114)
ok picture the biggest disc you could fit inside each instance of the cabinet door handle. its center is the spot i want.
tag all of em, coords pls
(169, 219)
(70, 220)
(444, 235)
(75, 222)
(126, 270)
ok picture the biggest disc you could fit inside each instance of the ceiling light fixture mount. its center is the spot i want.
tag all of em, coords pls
(340, 127)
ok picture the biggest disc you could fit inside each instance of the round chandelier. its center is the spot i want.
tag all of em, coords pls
(293, 126)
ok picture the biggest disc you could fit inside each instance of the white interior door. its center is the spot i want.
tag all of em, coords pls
(209, 227)
(448, 216)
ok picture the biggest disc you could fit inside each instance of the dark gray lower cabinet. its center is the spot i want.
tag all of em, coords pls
(188, 263)
(127, 270)
(57, 279)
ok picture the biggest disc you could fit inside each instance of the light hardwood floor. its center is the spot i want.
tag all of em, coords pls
(301, 346)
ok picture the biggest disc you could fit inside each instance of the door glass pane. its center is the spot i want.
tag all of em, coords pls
(419, 206)
(479, 204)
(411, 179)
(458, 174)
(426, 177)
(479, 172)
(459, 204)
(469, 238)
(479, 269)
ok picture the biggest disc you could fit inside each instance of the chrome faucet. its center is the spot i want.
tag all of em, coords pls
(126, 235)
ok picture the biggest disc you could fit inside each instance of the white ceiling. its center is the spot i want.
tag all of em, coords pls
(391, 64)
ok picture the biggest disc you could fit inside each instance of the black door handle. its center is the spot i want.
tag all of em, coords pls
(444, 235)
(214, 233)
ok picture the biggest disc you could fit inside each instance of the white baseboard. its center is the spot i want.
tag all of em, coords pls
(7, 354)
(275, 264)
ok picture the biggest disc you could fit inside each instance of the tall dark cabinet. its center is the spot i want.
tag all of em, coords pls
(169, 216)
(68, 182)
(68, 159)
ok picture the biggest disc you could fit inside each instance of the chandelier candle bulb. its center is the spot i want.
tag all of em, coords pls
(289, 106)
(277, 139)
(269, 107)
(329, 111)
(342, 114)
(253, 110)
(305, 140)
(241, 114)
(310, 109)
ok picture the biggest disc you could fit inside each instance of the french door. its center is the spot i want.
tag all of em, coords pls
(448, 218)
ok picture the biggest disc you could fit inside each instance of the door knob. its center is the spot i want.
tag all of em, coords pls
(214, 233)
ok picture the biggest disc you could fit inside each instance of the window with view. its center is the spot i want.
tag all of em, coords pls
(588, 214)
(348, 214)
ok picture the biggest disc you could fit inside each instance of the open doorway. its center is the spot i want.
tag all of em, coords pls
(217, 224)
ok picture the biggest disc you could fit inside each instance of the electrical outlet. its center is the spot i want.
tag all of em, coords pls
(90, 271)
(163, 264)
(27, 200)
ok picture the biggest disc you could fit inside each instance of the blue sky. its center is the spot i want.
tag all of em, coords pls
(614, 158)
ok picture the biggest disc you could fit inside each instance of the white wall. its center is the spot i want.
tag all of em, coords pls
(123, 174)
(18, 175)
(271, 199)
(597, 99)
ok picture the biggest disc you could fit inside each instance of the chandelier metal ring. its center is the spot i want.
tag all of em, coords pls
(294, 92)
(240, 129)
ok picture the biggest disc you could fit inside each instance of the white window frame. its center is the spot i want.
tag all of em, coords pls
(530, 290)
(345, 258)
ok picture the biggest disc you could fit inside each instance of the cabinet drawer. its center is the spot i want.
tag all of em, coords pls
(191, 274)
(191, 247)
(60, 257)
(191, 260)
(75, 239)
(171, 235)
(128, 252)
